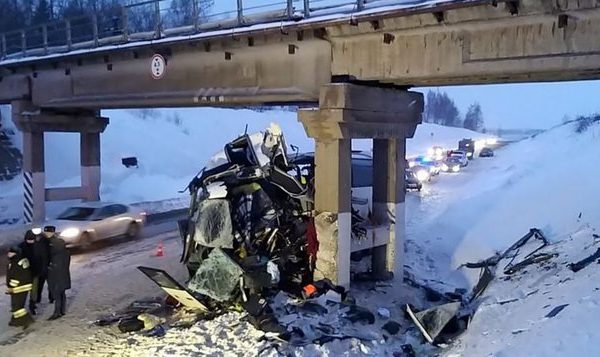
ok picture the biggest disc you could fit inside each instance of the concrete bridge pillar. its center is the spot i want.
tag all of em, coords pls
(33, 122)
(389, 164)
(350, 111)
(90, 166)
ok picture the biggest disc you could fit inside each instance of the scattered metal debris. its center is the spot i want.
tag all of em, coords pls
(518, 331)
(485, 278)
(433, 320)
(444, 322)
(533, 259)
(172, 287)
(391, 327)
(575, 267)
(556, 310)
(406, 351)
(383, 312)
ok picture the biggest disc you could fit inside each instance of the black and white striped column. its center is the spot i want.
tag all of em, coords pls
(34, 183)
(27, 197)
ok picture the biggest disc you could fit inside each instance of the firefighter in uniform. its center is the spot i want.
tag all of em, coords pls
(19, 283)
(37, 250)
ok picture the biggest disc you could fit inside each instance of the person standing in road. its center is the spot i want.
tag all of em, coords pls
(18, 282)
(59, 277)
(37, 251)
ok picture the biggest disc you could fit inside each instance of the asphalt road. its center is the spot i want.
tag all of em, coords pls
(156, 224)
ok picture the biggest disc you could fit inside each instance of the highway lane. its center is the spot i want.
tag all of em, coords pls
(157, 224)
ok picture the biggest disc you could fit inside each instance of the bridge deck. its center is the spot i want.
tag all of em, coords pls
(345, 11)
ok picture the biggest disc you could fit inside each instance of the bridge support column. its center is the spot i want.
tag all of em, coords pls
(348, 111)
(34, 122)
(333, 207)
(389, 164)
(34, 182)
(90, 166)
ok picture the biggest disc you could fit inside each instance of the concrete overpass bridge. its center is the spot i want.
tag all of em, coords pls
(353, 60)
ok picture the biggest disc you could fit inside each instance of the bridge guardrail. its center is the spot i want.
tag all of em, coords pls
(154, 19)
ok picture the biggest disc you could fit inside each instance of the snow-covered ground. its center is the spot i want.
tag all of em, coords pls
(172, 146)
(542, 182)
(545, 182)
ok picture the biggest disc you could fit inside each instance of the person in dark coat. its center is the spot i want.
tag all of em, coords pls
(59, 277)
(37, 250)
(19, 284)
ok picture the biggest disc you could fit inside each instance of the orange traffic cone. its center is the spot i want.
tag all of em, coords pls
(159, 250)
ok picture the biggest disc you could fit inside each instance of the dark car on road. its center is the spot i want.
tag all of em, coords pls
(411, 182)
(452, 164)
(486, 152)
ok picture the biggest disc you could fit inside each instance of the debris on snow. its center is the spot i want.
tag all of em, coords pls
(575, 267)
(392, 327)
(432, 321)
(556, 310)
(383, 312)
(172, 287)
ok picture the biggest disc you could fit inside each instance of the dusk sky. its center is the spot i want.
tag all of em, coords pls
(527, 105)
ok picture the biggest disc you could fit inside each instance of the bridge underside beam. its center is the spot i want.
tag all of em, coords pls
(276, 68)
(542, 41)
(14, 87)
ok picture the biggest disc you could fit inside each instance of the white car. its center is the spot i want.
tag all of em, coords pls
(85, 223)
(461, 156)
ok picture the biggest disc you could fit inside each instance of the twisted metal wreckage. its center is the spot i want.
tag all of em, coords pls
(250, 225)
(250, 232)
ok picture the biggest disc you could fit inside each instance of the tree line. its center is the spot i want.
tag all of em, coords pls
(19, 14)
(441, 109)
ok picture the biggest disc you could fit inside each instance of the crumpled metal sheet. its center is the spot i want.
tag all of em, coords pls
(217, 276)
(213, 226)
(433, 320)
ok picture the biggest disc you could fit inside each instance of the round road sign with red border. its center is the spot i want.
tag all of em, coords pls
(158, 66)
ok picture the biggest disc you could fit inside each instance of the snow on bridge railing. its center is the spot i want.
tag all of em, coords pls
(155, 19)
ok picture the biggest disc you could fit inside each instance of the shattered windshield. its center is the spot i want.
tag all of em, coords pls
(77, 214)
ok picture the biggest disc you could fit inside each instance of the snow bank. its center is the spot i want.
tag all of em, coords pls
(547, 182)
(512, 319)
(544, 182)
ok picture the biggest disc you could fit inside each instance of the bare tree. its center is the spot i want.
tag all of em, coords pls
(440, 109)
(474, 118)
(181, 12)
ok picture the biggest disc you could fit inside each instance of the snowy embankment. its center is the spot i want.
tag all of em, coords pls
(545, 182)
(172, 146)
(548, 182)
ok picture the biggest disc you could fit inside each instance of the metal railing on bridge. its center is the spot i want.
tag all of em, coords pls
(155, 19)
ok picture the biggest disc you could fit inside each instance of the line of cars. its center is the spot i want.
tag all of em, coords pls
(438, 159)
